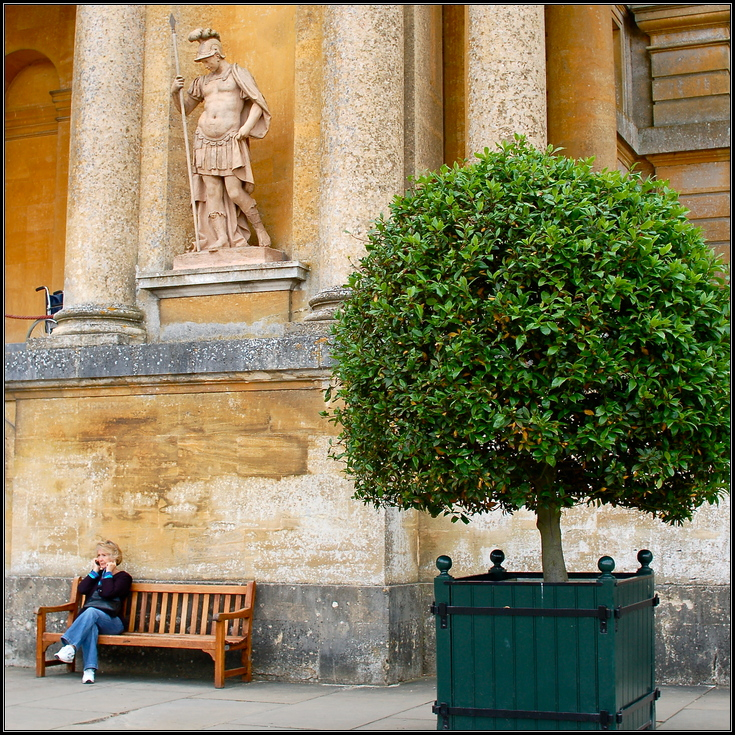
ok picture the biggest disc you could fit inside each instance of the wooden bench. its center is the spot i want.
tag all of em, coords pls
(206, 617)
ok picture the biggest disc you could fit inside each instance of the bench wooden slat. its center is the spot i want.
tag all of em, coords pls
(184, 613)
(132, 603)
(194, 620)
(152, 612)
(203, 615)
(142, 614)
(223, 589)
(156, 640)
(164, 608)
(238, 604)
(213, 610)
(174, 610)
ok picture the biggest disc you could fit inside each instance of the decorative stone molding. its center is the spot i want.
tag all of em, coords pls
(26, 122)
(61, 99)
(285, 275)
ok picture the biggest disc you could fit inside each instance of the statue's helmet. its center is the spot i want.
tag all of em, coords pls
(209, 47)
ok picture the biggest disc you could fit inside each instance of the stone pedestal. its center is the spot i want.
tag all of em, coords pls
(227, 256)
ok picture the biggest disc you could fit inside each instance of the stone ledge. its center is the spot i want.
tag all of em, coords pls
(165, 359)
(277, 276)
(704, 136)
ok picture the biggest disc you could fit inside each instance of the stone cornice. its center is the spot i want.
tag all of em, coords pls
(658, 18)
(33, 369)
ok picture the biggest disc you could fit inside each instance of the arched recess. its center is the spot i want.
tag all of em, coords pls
(37, 116)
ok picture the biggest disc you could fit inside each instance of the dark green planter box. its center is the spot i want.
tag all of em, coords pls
(514, 653)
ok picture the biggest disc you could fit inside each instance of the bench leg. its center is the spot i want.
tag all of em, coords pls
(219, 668)
(40, 649)
(40, 661)
(246, 662)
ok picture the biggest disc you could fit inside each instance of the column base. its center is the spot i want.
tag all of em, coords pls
(92, 325)
(325, 304)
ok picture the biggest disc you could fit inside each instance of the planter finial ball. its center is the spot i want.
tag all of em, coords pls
(606, 565)
(497, 571)
(444, 564)
(645, 557)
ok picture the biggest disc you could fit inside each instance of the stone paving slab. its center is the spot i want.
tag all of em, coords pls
(708, 710)
(60, 701)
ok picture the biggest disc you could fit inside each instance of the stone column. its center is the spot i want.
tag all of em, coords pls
(104, 165)
(362, 164)
(424, 123)
(581, 81)
(506, 75)
(62, 102)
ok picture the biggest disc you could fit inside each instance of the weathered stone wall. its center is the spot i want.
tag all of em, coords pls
(215, 472)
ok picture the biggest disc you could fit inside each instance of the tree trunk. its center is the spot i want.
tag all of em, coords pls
(548, 522)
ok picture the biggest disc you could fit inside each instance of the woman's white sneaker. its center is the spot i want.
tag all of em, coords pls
(88, 676)
(66, 654)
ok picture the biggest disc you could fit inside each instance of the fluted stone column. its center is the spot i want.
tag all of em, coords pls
(581, 81)
(506, 75)
(104, 166)
(362, 133)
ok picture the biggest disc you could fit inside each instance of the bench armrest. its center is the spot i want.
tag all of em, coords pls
(246, 612)
(67, 607)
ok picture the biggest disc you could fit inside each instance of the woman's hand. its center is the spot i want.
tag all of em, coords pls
(111, 567)
(95, 565)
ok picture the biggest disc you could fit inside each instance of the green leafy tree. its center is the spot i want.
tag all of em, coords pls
(527, 332)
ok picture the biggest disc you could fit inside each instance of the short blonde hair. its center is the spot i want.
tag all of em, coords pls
(113, 549)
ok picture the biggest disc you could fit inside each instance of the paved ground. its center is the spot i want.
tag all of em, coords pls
(61, 702)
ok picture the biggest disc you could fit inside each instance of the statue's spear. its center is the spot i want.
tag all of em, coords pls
(172, 22)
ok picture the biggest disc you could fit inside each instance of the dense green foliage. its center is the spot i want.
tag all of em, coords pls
(525, 331)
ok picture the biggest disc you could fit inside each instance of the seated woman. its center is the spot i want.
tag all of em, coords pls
(105, 588)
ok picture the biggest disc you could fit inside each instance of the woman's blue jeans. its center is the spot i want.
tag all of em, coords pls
(83, 632)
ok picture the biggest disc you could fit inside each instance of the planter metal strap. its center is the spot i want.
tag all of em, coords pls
(650, 602)
(646, 699)
(445, 711)
(602, 613)
(603, 717)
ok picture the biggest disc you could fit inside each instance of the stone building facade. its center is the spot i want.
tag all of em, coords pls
(178, 412)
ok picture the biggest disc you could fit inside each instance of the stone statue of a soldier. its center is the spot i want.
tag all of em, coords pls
(234, 110)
